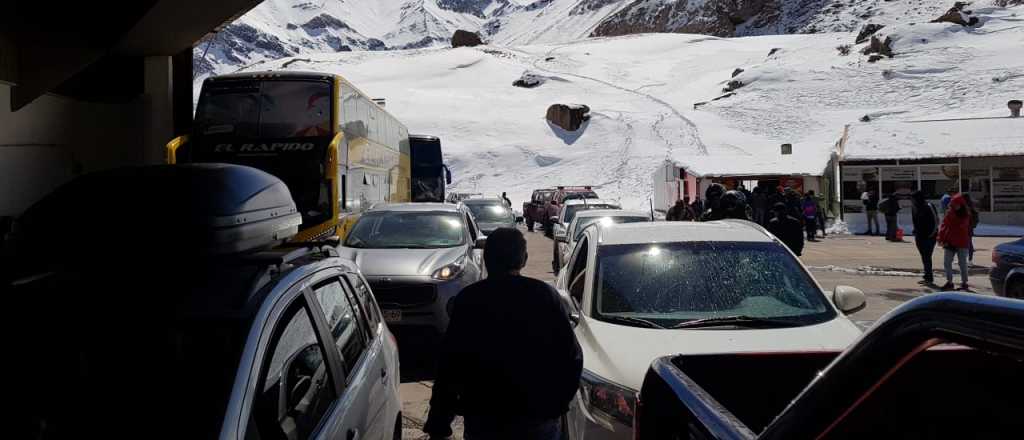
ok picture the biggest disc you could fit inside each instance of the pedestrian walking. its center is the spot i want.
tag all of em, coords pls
(508, 201)
(487, 345)
(675, 213)
(954, 236)
(870, 200)
(810, 213)
(926, 228)
(890, 207)
(822, 213)
(787, 229)
(975, 219)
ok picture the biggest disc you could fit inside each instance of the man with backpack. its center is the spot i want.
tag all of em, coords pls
(890, 208)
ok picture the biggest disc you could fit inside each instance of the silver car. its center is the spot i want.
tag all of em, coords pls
(417, 257)
(491, 214)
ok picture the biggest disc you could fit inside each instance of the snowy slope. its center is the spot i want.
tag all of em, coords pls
(642, 90)
(281, 28)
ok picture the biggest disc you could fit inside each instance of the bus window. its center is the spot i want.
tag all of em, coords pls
(229, 111)
(295, 109)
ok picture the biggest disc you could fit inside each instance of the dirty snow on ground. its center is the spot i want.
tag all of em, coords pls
(641, 90)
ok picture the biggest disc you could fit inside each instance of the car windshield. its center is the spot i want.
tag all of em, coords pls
(407, 230)
(571, 210)
(581, 225)
(672, 283)
(495, 212)
(265, 109)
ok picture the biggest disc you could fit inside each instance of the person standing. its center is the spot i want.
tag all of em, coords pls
(890, 207)
(675, 213)
(975, 219)
(870, 200)
(944, 202)
(533, 356)
(787, 229)
(954, 236)
(760, 205)
(508, 202)
(926, 224)
(698, 207)
(810, 213)
(550, 211)
(822, 212)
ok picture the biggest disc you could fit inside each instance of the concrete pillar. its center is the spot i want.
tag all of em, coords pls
(158, 107)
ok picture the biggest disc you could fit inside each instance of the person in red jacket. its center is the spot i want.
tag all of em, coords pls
(955, 238)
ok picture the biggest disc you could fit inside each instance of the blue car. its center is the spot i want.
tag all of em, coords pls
(1007, 275)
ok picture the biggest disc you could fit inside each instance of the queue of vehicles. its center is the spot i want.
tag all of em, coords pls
(295, 273)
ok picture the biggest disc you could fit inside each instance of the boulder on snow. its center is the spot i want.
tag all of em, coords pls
(466, 39)
(958, 15)
(867, 31)
(732, 86)
(570, 117)
(529, 80)
(736, 72)
(878, 46)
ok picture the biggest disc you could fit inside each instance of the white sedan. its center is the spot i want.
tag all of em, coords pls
(564, 241)
(644, 290)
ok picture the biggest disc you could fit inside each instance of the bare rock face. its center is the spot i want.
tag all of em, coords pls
(529, 80)
(867, 31)
(713, 17)
(879, 46)
(466, 39)
(570, 117)
(958, 15)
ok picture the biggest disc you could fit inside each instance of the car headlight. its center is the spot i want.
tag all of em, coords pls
(450, 271)
(606, 400)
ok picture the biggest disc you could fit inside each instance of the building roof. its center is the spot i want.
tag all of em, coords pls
(806, 160)
(951, 138)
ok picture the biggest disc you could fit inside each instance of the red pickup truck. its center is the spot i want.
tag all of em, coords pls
(944, 366)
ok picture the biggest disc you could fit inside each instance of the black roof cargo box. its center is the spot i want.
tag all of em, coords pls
(159, 211)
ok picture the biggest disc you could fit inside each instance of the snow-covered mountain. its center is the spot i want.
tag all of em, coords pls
(642, 90)
(282, 28)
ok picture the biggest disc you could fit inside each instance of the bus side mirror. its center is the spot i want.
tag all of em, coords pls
(447, 175)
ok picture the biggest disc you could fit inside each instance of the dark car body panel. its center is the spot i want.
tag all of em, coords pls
(1009, 264)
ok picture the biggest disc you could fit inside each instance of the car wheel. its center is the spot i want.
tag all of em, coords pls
(1015, 288)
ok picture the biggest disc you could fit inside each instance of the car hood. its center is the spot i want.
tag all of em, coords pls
(401, 262)
(611, 351)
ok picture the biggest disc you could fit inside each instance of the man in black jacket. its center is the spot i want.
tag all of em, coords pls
(509, 362)
(891, 208)
(926, 227)
(787, 229)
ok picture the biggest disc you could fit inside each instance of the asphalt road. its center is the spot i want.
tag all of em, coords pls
(886, 272)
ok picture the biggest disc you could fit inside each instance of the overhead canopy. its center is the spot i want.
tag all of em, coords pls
(934, 139)
(43, 44)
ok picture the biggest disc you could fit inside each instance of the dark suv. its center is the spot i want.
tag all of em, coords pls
(535, 210)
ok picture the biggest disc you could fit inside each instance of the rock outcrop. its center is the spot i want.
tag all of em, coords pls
(529, 80)
(958, 15)
(867, 31)
(570, 117)
(879, 46)
(466, 39)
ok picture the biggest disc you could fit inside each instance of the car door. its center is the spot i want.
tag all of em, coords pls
(381, 358)
(573, 282)
(297, 380)
(477, 255)
(347, 334)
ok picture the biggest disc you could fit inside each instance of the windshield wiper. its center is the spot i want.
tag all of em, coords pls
(737, 320)
(631, 321)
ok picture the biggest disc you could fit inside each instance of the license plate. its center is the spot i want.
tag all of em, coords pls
(392, 315)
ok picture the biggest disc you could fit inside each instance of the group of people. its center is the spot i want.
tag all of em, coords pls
(955, 233)
(791, 217)
(889, 206)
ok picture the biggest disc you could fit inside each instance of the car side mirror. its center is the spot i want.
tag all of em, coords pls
(574, 313)
(849, 300)
(480, 243)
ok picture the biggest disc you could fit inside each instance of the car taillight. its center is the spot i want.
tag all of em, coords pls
(607, 400)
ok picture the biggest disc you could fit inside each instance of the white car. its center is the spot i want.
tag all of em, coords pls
(565, 242)
(567, 212)
(644, 290)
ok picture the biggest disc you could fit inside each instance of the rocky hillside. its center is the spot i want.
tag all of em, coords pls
(283, 28)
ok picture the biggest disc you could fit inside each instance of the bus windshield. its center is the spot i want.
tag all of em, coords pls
(265, 109)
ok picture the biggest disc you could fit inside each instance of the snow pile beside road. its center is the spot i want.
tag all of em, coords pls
(837, 227)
